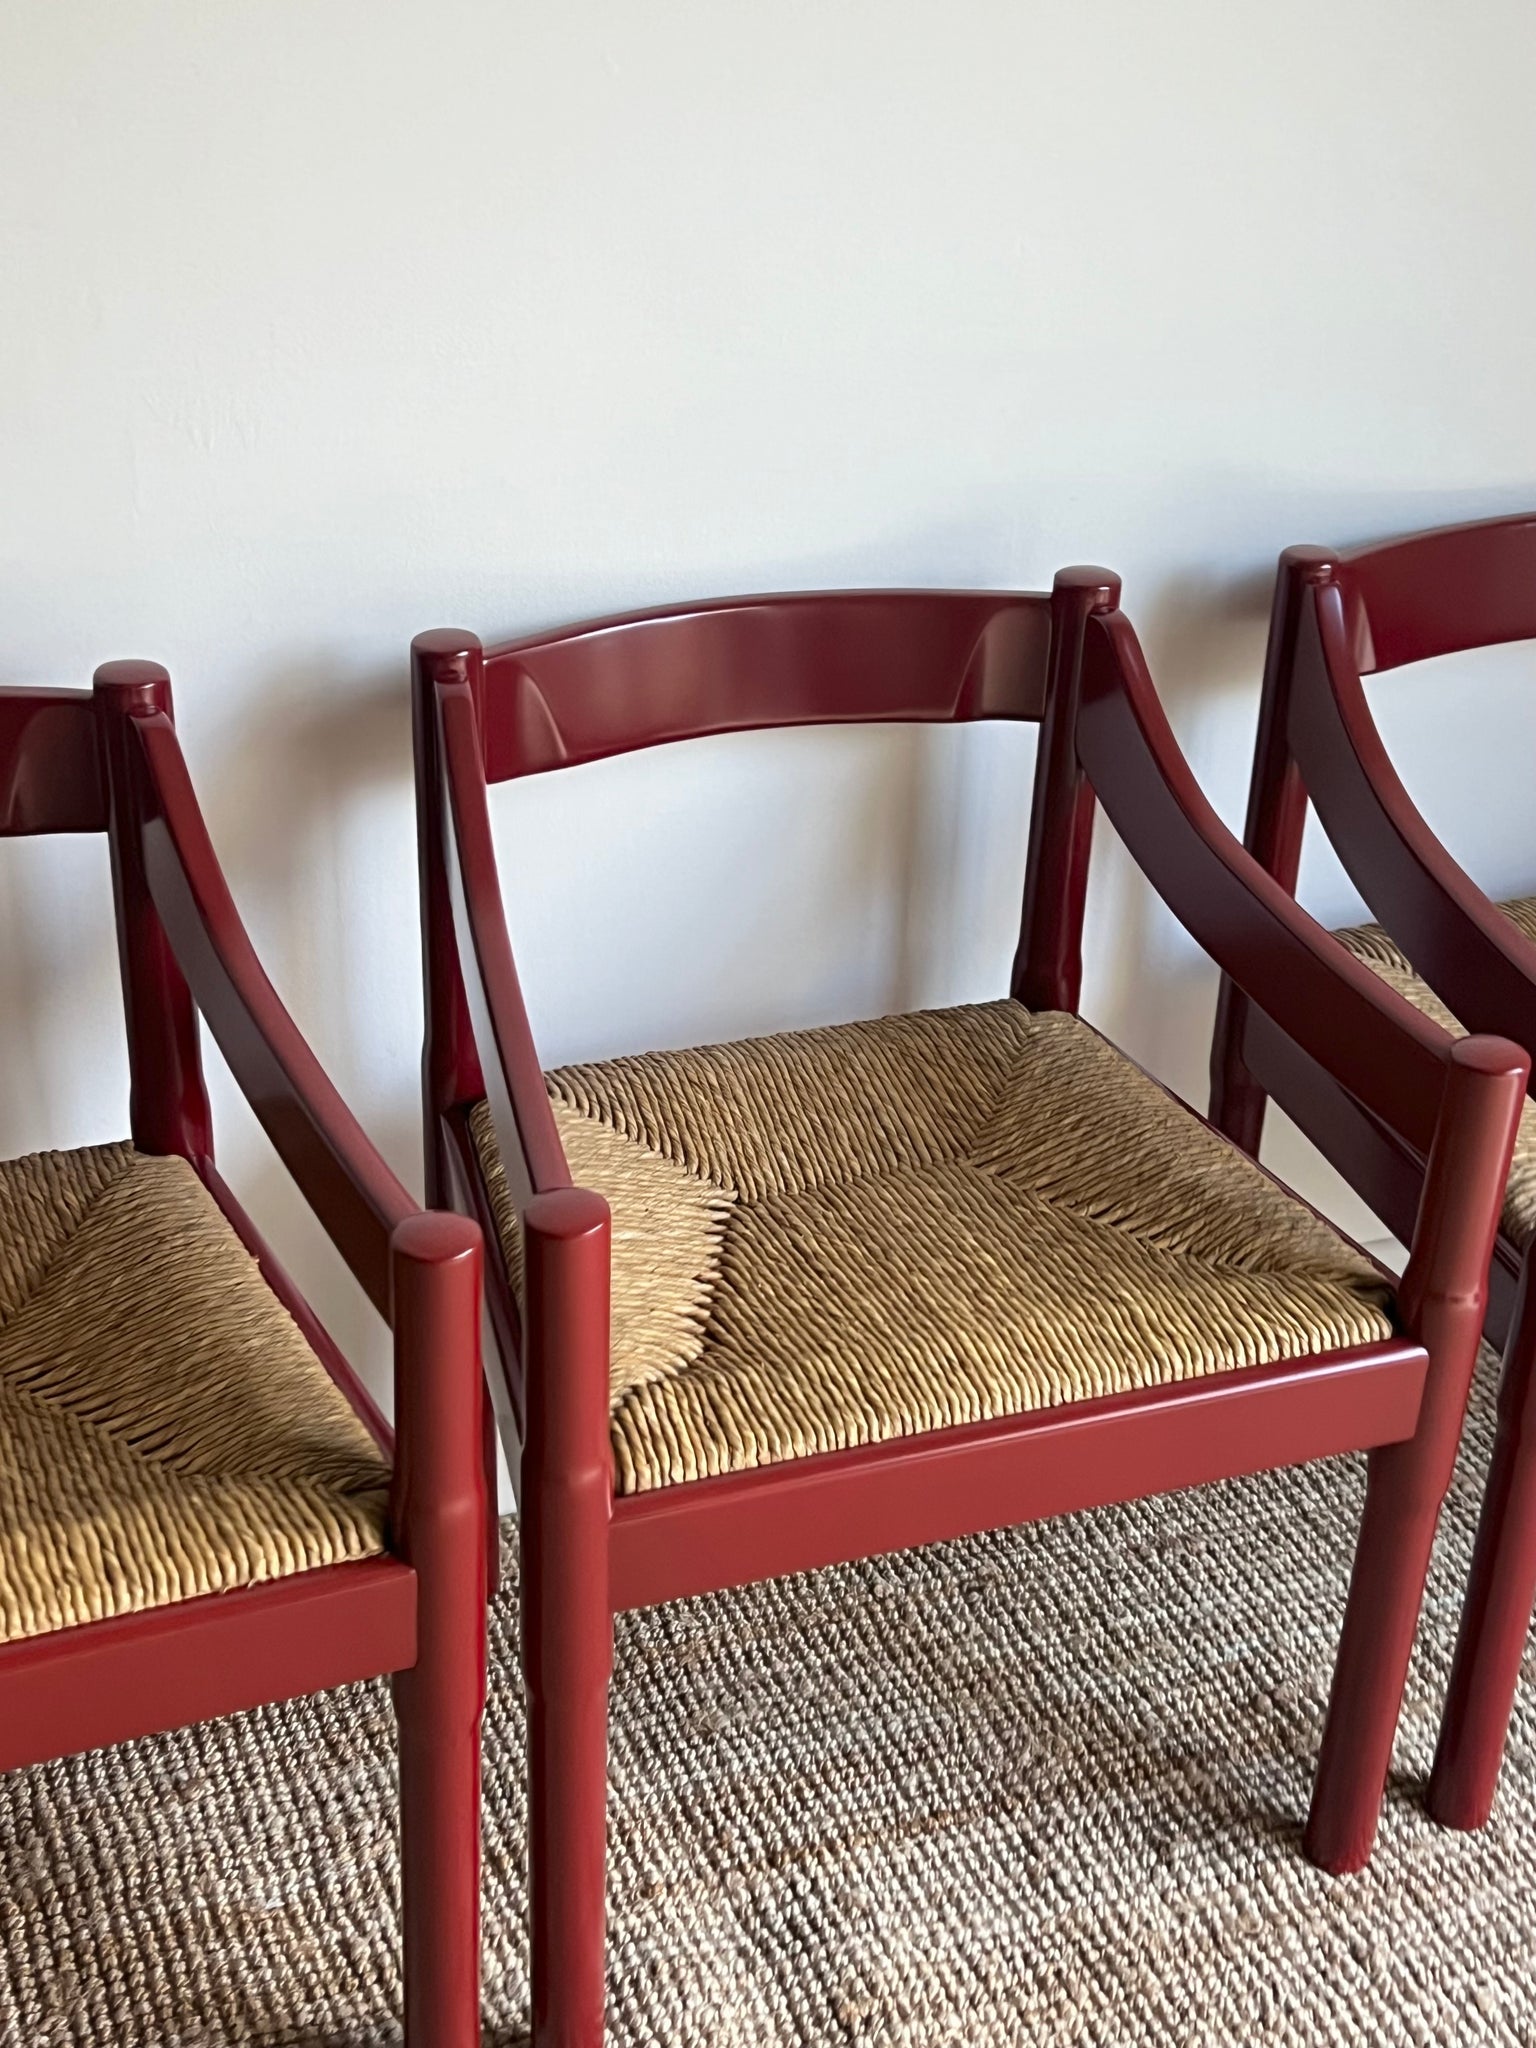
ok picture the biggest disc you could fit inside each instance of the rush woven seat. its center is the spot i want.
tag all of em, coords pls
(1368, 942)
(165, 1429)
(843, 1236)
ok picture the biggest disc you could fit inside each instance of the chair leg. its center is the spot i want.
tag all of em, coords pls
(437, 1172)
(437, 1516)
(567, 1499)
(1441, 1300)
(568, 1657)
(1501, 1591)
(492, 1502)
(1397, 1533)
(1238, 1102)
(440, 1195)
(439, 1712)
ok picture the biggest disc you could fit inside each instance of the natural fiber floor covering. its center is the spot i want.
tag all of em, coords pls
(1043, 1786)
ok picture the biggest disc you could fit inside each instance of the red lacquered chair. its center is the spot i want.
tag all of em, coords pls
(1459, 957)
(201, 1509)
(890, 1282)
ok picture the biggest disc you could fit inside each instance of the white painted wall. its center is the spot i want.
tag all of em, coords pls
(326, 321)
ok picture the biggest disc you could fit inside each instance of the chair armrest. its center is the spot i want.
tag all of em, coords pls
(529, 1144)
(1463, 944)
(1389, 1056)
(356, 1198)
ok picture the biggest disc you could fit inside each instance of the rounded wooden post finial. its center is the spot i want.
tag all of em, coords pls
(1099, 587)
(447, 653)
(134, 683)
(1309, 563)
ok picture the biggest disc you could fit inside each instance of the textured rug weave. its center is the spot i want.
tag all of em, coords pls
(1040, 1787)
(842, 1236)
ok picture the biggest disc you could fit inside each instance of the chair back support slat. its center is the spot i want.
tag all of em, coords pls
(50, 765)
(754, 662)
(1442, 592)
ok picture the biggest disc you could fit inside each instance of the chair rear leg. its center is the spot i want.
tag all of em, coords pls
(1238, 1102)
(1501, 1591)
(438, 1174)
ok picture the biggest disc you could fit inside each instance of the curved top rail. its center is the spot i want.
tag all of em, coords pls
(1387, 1054)
(346, 1183)
(50, 763)
(1442, 591)
(747, 663)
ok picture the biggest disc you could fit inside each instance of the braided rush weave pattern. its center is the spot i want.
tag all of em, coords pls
(165, 1430)
(848, 1235)
(1368, 942)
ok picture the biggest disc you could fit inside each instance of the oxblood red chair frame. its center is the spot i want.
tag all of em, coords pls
(1340, 616)
(109, 761)
(1070, 661)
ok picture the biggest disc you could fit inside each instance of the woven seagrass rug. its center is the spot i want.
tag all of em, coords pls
(1043, 1786)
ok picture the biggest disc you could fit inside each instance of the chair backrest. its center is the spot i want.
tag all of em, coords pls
(485, 715)
(65, 766)
(1439, 592)
(643, 678)
(1068, 660)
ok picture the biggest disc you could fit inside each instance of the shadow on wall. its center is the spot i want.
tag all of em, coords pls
(282, 802)
(64, 1073)
(1147, 983)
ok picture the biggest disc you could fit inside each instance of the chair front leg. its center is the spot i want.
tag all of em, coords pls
(1501, 1592)
(438, 1510)
(1405, 1486)
(1442, 1301)
(567, 1617)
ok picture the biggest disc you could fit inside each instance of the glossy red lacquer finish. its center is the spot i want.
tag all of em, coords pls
(1338, 617)
(648, 677)
(108, 761)
(1070, 660)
